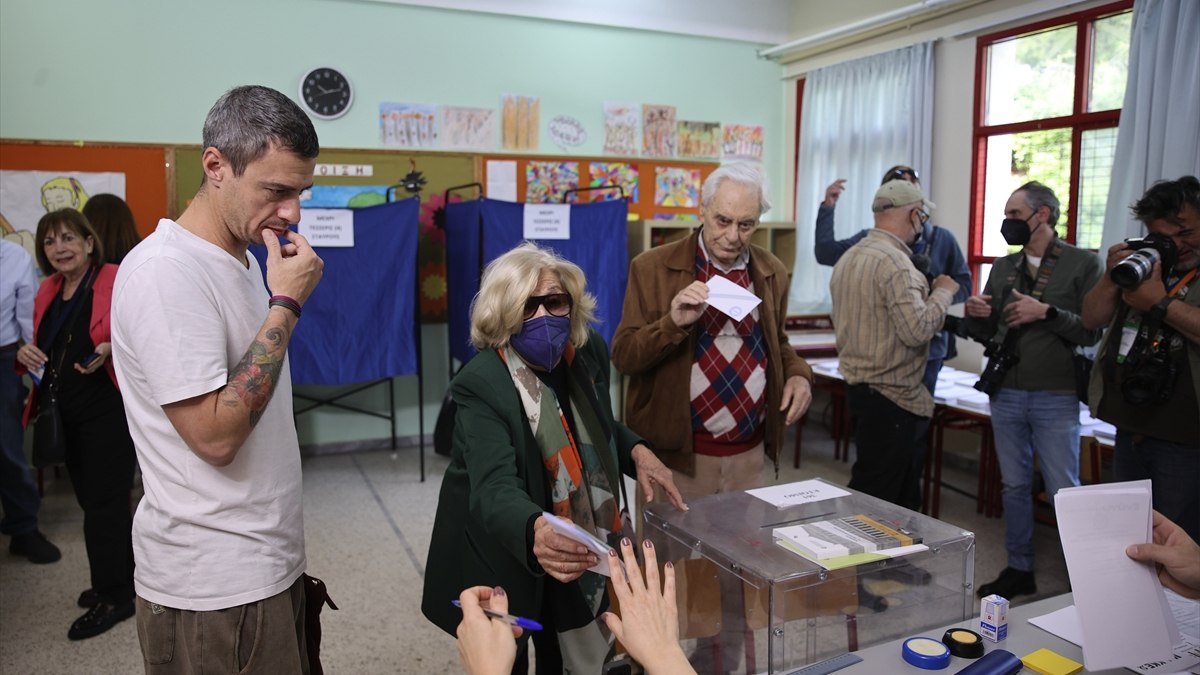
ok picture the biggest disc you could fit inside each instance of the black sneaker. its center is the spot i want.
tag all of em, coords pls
(35, 547)
(88, 599)
(1011, 582)
(99, 619)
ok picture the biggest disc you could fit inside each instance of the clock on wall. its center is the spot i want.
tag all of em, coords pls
(326, 92)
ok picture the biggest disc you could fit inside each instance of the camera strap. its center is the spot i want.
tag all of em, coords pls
(1146, 334)
(1045, 270)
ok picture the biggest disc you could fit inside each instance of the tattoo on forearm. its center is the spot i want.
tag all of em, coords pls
(253, 380)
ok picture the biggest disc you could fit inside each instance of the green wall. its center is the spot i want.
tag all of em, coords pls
(147, 72)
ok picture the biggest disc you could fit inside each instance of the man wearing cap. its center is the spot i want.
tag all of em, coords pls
(884, 316)
(936, 244)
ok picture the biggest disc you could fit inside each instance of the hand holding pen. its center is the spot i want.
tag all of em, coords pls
(486, 646)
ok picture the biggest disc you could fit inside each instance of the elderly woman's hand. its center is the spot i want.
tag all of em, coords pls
(650, 472)
(562, 558)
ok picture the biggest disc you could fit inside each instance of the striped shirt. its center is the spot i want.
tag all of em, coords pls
(884, 318)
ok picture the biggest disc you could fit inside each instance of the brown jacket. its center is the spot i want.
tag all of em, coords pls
(657, 355)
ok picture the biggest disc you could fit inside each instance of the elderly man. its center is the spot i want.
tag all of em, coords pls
(1147, 376)
(1031, 305)
(201, 353)
(937, 245)
(711, 392)
(884, 316)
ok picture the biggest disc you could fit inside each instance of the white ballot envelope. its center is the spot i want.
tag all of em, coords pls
(593, 543)
(730, 298)
(1122, 609)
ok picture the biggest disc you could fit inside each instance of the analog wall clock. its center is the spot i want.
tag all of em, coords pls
(326, 92)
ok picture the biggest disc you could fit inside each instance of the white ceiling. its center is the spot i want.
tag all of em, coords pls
(764, 22)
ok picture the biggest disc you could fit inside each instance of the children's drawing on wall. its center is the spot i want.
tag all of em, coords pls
(343, 196)
(468, 128)
(701, 140)
(658, 130)
(545, 182)
(408, 125)
(742, 141)
(519, 121)
(621, 128)
(25, 196)
(612, 173)
(677, 187)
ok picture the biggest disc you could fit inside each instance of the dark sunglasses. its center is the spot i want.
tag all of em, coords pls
(900, 173)
(557, 304)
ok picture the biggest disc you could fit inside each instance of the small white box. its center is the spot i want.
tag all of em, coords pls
(993, 618)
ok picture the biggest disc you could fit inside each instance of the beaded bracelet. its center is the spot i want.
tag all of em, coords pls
(286, 303)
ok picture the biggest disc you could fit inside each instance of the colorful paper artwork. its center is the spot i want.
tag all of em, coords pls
(545, 182)
(676, 187)
(26, 196)
(343, 196)
(408, 125)
(621, 128)
(742, 141)
(519, 120)
(612, 173)
(468, 128)
(675, 216)
(700, 140)
(659, 134)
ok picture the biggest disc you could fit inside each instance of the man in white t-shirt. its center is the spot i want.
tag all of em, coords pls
(200, 348)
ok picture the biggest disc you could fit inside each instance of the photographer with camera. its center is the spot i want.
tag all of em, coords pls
(1146, 381)
(1030, 309)
(884, 315)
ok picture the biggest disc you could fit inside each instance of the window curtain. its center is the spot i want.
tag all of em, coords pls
(1159, 133)
(858, 119)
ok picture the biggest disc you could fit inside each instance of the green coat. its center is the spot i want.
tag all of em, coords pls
(496, 482)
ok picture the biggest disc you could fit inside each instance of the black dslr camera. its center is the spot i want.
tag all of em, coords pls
(1002, 356)
(1148, 250)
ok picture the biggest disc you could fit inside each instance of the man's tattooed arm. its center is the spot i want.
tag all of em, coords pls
(216, 425)
(252, 382)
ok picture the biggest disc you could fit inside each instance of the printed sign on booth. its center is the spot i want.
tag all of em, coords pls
(327, 227)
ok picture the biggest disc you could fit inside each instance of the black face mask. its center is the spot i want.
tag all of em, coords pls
(1016, 231)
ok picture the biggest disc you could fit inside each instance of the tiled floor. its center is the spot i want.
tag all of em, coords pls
(368, 520)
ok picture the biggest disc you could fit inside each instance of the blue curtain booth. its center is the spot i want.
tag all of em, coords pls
(598, 244)
(359, 324)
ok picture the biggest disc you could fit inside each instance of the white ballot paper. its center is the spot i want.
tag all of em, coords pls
(730, 298)
(1122, 609)
(572, 531)
(802, 492)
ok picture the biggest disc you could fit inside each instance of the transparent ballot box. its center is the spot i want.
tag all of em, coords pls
(750, 605)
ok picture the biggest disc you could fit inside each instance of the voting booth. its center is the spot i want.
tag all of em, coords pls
(750, 605)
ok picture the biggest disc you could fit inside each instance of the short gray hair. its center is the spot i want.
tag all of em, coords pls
(1037, 196)
(247, 120)
(738, 172)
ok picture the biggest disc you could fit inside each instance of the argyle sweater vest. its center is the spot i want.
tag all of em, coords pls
(729, 375)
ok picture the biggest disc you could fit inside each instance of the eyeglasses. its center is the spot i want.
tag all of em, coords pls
(557, 304)
(923, 216)
(900, 173)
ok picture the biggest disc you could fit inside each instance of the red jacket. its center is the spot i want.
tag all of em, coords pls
(99, 329)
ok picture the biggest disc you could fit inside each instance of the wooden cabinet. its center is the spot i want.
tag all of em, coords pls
(777, 237)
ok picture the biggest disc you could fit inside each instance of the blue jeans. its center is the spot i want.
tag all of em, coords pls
(1174, 472)
(18, 495)
(1024, 422)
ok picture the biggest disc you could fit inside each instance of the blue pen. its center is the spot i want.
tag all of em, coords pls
(518, 621)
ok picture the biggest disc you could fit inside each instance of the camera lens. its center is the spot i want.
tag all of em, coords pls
(1135, 269)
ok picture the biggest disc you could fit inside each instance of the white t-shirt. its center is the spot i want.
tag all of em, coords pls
(184, 313)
